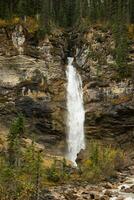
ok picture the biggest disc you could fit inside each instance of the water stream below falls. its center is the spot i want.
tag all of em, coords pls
(75, 112)
(128, 183)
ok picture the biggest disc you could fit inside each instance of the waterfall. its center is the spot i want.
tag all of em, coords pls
(75, 112)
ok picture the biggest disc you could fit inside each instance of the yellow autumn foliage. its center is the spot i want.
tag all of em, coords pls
(120, 100)
(31, 24)
(102, 162)
(3, 23)
(14, 21)
(131, 31)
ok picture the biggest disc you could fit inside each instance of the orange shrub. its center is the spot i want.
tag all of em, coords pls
(3, 23)
(131, 31)
(31, 24)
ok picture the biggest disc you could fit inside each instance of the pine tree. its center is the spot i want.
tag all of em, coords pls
(67, 13)
(32, 166)
(120, 36)
(14, 141)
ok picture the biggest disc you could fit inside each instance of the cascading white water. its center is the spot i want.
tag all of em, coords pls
(75, 112)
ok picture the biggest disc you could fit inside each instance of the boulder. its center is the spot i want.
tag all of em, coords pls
(108, 185)
(109, 193)
(104, 197)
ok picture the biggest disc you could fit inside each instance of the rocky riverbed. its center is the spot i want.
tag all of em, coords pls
(121, 189)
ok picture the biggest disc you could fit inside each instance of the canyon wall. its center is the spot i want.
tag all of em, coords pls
(33, 82)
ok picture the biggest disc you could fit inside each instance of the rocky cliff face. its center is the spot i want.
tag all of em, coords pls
(33, 81)
(109, 99)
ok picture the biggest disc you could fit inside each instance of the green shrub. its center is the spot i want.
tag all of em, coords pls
(102, 162)
(58, 172)
(52, 173)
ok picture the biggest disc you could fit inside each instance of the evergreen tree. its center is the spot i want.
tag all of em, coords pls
(14, 141)
(32, 166)
(121, 39)
(20, 181)
(67, 13)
